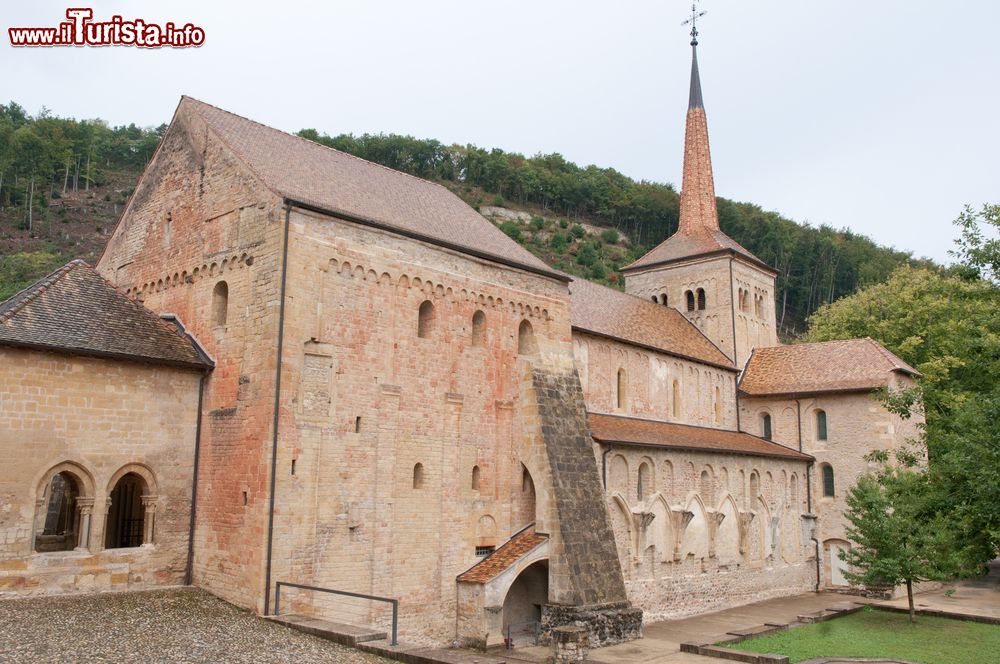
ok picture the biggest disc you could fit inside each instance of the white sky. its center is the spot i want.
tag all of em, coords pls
(880, 116)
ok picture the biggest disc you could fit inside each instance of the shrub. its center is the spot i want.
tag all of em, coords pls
(598, 271)
(537, 223)
(610, 236)
(559, 242)
(563, 224)
(498, 201)
(587, 255)
(578, 231)
(512, 230)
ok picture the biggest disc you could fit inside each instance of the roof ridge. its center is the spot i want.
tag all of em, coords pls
(897, 362)
(39, 287)
(310, 142)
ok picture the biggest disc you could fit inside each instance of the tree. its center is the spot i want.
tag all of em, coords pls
(899, 536)
(978, 245)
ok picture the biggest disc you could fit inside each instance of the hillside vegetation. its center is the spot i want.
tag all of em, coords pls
(63, 183)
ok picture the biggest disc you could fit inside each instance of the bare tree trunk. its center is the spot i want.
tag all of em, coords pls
(76, 175)
(1, 190)
(66, 179)
(31, 199)
(909, 597)
(86, 186)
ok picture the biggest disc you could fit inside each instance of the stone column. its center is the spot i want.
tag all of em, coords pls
(148, 516)
(86, 506)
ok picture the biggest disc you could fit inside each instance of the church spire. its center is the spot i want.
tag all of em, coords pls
(698, 212)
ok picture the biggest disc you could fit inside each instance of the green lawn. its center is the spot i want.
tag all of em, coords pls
(870, 633)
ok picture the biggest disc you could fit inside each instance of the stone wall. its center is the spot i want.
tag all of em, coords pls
(199, 217)
(722, 278)
(856, 425)
(705, 395)
(708, 531)
(94, 420)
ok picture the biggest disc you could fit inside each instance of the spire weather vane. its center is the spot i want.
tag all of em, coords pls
(693, 21)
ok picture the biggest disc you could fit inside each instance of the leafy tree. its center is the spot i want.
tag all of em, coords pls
(587, 255)
(610, 236)
(979, 242)
(899, 535)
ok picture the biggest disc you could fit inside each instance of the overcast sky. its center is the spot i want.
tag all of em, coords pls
(879, 116)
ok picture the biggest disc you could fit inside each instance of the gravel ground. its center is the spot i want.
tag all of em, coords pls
(156, 626)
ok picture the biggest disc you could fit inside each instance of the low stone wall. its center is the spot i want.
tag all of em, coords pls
(605, 625)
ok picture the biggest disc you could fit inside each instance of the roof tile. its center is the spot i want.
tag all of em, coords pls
(503, 558)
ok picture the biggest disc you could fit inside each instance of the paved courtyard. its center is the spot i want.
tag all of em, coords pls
(156, 626)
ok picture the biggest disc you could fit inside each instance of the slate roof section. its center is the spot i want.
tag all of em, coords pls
(75, 310)
(654, 433)
(342, 184)
(503, 558)
(828, 366)
(611, 313)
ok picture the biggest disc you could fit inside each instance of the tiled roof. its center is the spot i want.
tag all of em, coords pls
(635, 431)
(612, 313)
(75, 310)
(503, 558)
(340, 183)
(697, 242)
(828, 366)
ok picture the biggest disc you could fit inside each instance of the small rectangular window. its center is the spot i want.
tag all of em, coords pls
(357, 424)
(483, 551)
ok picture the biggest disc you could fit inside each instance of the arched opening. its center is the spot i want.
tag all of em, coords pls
(705, 488)
(754, 487)
(820, 425)
(644, 486)
(701, 299)
(60, 520)
(526, 344)
(621, 388)
(126, 514)
(654, 298)
(829, 490)
(794, 491)
(478, 328)
(676, 390)
(522, 607)
(524, 500)
(758, 305)
(418, 476)
(220, 303)
(663, 299)
(689, 296)
(425, 319)
(765, 426)
(718, 406)
(475, 478)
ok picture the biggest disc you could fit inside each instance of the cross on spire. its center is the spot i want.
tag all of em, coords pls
(693, 22)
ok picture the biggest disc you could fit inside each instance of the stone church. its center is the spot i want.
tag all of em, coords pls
(291, 365)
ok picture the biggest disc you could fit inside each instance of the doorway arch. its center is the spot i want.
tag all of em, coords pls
(522, 606)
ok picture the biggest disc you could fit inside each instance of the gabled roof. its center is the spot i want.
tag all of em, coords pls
(342, 184)
(690, 244)
(503, 558)
(611, 313)
(828, 366)
(654, 433)
(75, 310)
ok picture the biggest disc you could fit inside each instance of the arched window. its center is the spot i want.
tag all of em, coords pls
(425, 319)
(794, 491)
(418, 476)
(754, 486)
(61, 520)
(645, 482)
(663, 299)
(765, 426)
(526, 344)
(689, 296)
(828, 487)
(654, 299)
(621, 389)
(126, 515)
(705, 488)
(745, 301)
(676, 389)
(820, 425)
(220, 303)
(718, 406)
(478, 328)
(701, 299)
(758, 305)
(475, 478)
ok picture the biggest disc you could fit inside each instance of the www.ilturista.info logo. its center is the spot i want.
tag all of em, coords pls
(80, 30)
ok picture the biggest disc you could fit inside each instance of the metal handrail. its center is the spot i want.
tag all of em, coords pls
(390, 600)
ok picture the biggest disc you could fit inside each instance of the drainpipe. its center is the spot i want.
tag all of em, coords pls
(189, 568)
(809, 493)
(277, 405)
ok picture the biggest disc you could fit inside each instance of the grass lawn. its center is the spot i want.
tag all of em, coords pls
(872, 633)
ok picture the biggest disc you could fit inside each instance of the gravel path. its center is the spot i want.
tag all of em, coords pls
(157, 626)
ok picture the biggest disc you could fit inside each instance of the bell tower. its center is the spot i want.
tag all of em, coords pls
(718, 284)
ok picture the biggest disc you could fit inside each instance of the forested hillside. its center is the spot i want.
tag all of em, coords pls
(63, 183)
